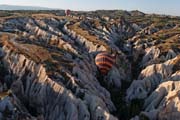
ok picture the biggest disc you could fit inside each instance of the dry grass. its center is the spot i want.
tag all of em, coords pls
(14, 15)
(5, 94)
(176, 64)
(53, 60)
(170, 43)
(48, 15)
(36, 53)
(76, 27)
(163, 34)
(170, 39)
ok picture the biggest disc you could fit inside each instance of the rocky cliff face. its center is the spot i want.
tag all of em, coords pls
(48, 70)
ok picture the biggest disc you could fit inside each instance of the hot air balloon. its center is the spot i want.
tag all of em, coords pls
(67, 12)
(104, 61)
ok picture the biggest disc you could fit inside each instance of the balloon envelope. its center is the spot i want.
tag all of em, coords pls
(67, 12)
(104, 61)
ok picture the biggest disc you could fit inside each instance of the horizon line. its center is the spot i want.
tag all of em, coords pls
(53, 8)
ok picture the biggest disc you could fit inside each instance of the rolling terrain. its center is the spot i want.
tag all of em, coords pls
(48, 70)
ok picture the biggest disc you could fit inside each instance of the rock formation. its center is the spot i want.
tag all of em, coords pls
(151, 77)
(48, 71)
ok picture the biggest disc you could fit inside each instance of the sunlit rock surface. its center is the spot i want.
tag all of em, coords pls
(48, 70)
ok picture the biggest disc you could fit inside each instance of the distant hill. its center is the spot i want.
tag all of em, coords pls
(17, 7)
(137, 13)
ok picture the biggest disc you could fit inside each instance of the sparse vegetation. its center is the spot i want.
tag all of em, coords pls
(5, 14)
(59, 50)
